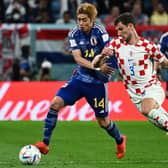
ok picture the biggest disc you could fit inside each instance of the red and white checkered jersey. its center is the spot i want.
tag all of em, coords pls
(135, 63)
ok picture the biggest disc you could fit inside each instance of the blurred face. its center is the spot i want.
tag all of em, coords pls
(85, 23)
(136, 9)
(115, 11)
(124, 31)
(66, 18)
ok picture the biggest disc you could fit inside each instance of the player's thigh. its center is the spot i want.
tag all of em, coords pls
(97, 96)
(148, 104)
(153, 97)
(70, 92)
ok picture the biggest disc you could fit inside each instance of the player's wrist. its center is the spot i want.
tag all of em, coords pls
(97, 69)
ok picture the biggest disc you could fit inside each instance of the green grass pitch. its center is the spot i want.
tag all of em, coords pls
(78, 144)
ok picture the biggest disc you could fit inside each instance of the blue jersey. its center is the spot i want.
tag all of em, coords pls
(90, 45)
(163, 44)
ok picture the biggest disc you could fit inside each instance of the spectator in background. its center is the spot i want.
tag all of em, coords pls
(25, 64)
(15, 13)
(159, 16)
(66, 19)
(141, 18)
(15, 73)
(126, 5)
(43, 17)
(45, 71)
(147, 7)
(56, 9)
(42, 12)
(2, 11)
(31, 7)
(114, 13)
(104, 7)
(72, 6)
(21, 66)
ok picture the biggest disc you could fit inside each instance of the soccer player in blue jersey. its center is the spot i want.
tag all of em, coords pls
(163, 46)
(86, 41)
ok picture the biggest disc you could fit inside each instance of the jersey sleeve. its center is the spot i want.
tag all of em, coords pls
(155, 53)
(104, 36)
(114, 44)
(72, 41)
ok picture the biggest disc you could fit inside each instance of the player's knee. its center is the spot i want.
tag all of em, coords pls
(103, 126)
(57, 103)
(147, 105)
(146, 110)
(103, 123)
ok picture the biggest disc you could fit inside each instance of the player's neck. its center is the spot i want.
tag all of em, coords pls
(134, 39)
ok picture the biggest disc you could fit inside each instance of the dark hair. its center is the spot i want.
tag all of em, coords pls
(125, 18)
(67, 12)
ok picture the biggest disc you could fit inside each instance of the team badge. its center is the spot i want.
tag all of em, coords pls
(93, 40)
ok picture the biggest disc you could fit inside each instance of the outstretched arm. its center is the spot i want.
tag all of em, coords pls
(80, 60)
(165, 63)
(104, 68)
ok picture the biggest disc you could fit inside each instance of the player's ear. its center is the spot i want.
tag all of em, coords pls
(130, 25)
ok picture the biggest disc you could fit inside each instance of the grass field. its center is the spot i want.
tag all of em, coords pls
(84, 145)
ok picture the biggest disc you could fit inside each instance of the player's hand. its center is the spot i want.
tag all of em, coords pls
(99, 60)
(106, 69)
(107, 51)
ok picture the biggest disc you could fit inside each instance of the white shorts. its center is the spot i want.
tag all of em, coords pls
(155, 91)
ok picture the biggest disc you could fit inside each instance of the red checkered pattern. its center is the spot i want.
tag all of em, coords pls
(134, 62)
(16, 35)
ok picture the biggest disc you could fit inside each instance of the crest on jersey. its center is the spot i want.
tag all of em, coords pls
(93, 40)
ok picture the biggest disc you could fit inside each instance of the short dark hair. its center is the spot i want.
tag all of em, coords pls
(125, 18)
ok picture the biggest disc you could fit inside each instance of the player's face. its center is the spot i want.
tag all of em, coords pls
(84, 23)
(124, 31)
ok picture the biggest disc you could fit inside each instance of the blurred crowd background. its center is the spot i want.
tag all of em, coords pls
(153, 12)
(24, 59)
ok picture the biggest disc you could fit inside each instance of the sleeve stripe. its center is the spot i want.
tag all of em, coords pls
(100, 27)
(164, 35)
(73, 31)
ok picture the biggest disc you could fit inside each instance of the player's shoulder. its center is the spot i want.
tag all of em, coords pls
(145, 42)
(99, 28)
(117, 40)
(74, 32)
(164, 36)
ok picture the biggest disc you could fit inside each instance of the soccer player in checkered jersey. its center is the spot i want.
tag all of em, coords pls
(135, 56)
(86, 41)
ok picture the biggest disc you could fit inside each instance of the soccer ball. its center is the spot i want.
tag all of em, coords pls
(29, 155)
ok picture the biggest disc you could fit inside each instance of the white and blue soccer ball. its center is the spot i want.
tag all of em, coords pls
(29, 155)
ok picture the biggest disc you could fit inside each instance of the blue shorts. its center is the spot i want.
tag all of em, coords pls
(95, 94)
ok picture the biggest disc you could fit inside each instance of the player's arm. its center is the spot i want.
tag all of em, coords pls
(87, 64)
(99, 60)
(80, 60)
(158, 57)
(165, 63)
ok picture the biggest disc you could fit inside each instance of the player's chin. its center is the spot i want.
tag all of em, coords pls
(82, 28)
